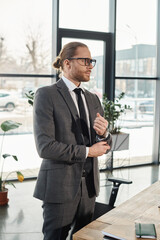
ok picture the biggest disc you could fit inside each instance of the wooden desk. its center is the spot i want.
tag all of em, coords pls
(141, 208)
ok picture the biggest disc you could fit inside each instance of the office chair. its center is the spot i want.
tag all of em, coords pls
(102, 208)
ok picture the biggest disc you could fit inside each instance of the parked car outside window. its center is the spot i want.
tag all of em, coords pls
(147, 106)
(8, 100)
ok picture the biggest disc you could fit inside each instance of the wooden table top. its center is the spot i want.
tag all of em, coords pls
(143, 208)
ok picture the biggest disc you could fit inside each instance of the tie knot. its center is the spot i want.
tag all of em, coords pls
(77, 91)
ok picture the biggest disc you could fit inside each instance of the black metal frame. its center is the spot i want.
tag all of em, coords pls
(109, 52)
(28, 75)
(137, 78)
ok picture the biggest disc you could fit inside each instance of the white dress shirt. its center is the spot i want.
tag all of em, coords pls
(71, 86)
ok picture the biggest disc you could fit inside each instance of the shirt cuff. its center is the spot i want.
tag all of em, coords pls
(106, 134)
(100, 138)
(87, 151)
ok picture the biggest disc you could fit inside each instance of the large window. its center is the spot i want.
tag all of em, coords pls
(136, 50)
(25, 64)
(14, 106)
(136, 38)
(138, 122)
(90, 15)
(25, 36)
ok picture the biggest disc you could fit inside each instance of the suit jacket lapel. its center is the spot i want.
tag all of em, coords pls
(63, 90)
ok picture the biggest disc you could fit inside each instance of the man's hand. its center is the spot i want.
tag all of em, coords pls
(100, 125)
(98, 149)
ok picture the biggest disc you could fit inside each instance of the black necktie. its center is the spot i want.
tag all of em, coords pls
(83, 118)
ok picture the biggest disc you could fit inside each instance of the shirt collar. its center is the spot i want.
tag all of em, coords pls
(71, 86)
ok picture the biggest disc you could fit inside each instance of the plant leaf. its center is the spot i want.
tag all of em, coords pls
(30, 102)
(6, 155)
(10, 183)
(15, 157)
(20, 176)
(8, 125)
(29, 96)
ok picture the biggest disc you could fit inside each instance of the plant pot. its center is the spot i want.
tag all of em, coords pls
(120, 141)
(4, 197)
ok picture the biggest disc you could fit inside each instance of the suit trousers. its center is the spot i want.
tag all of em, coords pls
(60, 218)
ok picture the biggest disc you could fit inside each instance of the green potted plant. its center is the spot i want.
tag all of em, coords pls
(5, 127)
(112, 112)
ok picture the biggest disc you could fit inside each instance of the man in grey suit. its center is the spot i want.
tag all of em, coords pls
(68, 120)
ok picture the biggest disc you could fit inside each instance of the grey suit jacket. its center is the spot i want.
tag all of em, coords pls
(60, 143)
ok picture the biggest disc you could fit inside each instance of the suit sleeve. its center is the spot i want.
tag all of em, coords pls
(44, 132)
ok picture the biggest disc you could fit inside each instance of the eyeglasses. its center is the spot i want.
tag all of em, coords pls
(85, 61)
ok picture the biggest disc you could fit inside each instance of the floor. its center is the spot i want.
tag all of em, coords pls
(22, 218)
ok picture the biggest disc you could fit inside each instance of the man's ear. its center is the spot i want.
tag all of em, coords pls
(66, 63)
